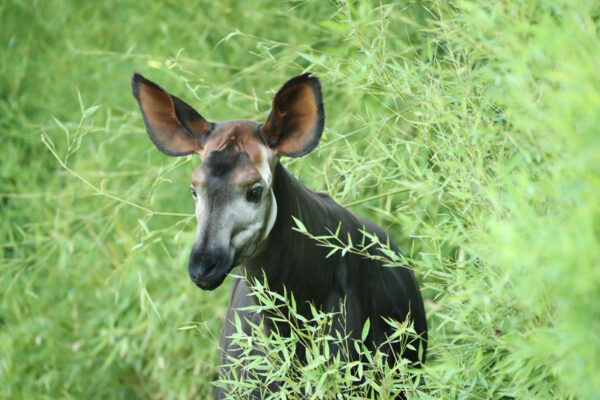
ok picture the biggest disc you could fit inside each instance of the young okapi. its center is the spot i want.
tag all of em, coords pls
(245, 200)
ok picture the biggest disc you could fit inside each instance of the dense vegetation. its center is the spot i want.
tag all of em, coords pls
(469, 130)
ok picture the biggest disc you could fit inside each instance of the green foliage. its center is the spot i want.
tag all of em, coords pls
(468, 130)
(271, 359)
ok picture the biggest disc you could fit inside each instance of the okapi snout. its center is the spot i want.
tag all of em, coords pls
(208, 268)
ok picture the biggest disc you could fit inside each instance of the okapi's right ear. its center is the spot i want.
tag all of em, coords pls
(175, 128)
(296, 122)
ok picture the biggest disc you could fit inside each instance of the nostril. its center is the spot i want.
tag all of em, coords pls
(197, 257)
(208, 268)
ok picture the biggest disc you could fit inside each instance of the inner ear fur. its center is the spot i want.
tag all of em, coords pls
(174, 127)
(296, 122)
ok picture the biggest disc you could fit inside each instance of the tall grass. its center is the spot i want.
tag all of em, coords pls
(468, 130)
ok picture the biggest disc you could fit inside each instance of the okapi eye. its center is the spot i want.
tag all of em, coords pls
(254, 194)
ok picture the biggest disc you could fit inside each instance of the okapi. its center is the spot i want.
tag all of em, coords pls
(245, 202)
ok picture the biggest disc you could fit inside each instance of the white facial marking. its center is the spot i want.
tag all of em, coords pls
(264, 169)
(201, 211)
(272, 215)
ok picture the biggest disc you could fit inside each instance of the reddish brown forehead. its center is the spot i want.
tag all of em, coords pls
(243, 134)
(233, 142)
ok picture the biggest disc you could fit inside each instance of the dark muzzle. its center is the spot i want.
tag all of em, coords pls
(208, 268)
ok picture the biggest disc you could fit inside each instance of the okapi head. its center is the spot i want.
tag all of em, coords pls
(232, 187)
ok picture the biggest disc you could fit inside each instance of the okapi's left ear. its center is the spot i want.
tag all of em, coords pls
(296, 122)
(175, 128)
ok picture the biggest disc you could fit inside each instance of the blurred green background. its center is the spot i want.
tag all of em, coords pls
(469, 130)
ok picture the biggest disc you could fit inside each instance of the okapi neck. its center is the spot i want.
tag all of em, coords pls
(291, 259)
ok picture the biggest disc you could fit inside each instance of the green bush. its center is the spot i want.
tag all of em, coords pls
(311, 361)
(468, 130)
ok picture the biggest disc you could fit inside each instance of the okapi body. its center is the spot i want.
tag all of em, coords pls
(245, 204)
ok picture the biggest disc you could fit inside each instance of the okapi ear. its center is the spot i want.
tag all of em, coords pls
(296, 122)
(175, 128)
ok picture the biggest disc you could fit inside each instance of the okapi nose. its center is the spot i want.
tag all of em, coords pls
(204, 264)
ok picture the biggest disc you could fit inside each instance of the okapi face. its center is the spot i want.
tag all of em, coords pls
(232, 187)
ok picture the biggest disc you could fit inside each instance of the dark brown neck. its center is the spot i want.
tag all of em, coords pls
(291, 259)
